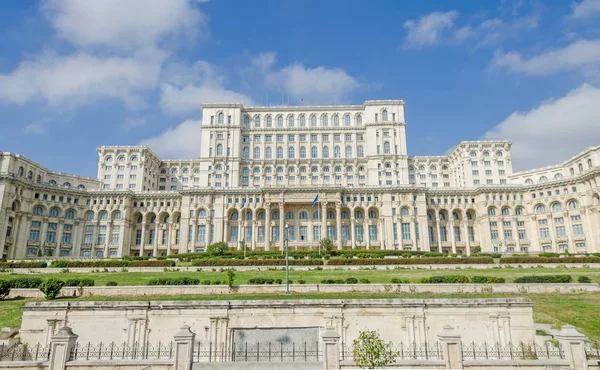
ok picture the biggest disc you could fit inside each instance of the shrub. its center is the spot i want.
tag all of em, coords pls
(548, 254)
(112, 263)
(248, 262)
(51, 288)
(585, 259)
(410, 261)
(111, 283)
(584, 279)
(445, 279)
(332, 281)
(174, 281)
(23, 265)
(217, 249)
(216, 282)
(301, 281)
(364, 281)
(205, 282)
(370, 351)
(487, 280)
(545, 279)
(4, 289)
(278, 281)
(351, 280)
(230, 277)
(72, 282)
(326, 245)
(26, 283)
(400, 281)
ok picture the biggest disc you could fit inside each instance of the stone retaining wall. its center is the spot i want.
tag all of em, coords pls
(116, 291)
(307, 268)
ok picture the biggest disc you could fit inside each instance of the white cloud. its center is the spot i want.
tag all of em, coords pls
(586, 9)
(81, 78)
(133, 123)
(427, 29)
(578, 54)
(554, 131)
(34, 128)
(123, 24)
(181, 141)
(318, 85)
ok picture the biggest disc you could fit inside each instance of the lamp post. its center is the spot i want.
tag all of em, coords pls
(287, 266)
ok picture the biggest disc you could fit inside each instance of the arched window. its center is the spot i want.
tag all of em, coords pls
(455, 216)
(442, 216)
(348, 151)
(38, 211)
(81, 187)
(337, 152)
(279, 152)
(234, 216)
(384, 115)
(338, 169)
(558, 176)
(330, 215)
(325, 152)
(324, 121)
(573, 204)
(358, 214)
(539, 209)
(499, 153)
(313, 121)
(347, 120)
(556, 207)
(505, 211)
(38, 179)
(529, 181)
(21, 171)
(89, 216)
(202, 213)
(104, 215)
(302, 121)
(279, 121)
(314, 169)
(473, 154)
(404, 211)
(345, 214)
(221, 118)
(256, 121)
(140, 219)
(386, 147)
(269, 121)
(52, 182)
(589, 163)
(30, 175)
(519, 211)
(291, 121)
(275, 215)
(117, 215)
(289, 215)
(67, 184)
(303, 215)
(261, 215)
(358, 120)
(291, 152)
(174, 171)
(246, 153)
(153, 219)
(336, 120)
(302, 152)
(372, 214)
(70, 214)
(257, 153)
(543, 179)
(486, 154)
(122, 158)
(54, 212)
(360, 151)
(249, 216)
(491, 211)
(219, 149)
(247, 121)
(326, 169)
(469, 216)
(315, 215)
(313, 152)
(268, 153)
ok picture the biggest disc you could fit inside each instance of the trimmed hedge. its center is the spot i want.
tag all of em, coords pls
(174, 281)
(112, 263)
(80, 282)
(23, 265)
(400, 281)
(532, 259)
(544, 279)
(447, 279)
(487, 280)
(235, 262)
(410, 261)
(260, 281)
(4, 289)
(111, 283)
(26, 283)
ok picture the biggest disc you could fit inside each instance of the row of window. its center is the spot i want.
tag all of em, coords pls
(121, 158)
(303, 215)
(539, 209)
(257, 120)
(291, 138)
(234, 233)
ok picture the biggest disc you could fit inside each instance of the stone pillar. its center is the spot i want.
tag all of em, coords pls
(282, 234)
(194, 235)
(352, 231)
(451, 348)
(143, 242)
(61, 345)
(267, 227)
(436, 224)
(324, 233)
(573, 343)
(338, 224)
(184, 349)
(331, 355)
(156, 236)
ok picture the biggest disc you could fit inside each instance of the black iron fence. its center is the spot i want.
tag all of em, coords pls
(114, 351)
(258, 352)
(403, 351)
(522, 351)
(24, 352)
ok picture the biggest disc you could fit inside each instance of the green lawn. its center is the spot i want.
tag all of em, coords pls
(580, 310)
(315, 276)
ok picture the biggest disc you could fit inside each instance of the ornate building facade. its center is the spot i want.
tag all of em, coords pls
(267, 174)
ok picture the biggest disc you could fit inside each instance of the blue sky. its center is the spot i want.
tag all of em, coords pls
(75, 75)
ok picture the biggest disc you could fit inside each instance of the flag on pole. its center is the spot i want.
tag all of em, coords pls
(243, 202)
(314, 203)
(283, 205)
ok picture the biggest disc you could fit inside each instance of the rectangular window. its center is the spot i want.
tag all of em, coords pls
(508, 234)
(578, 230)
(261, 233)
(275, 233)
(114, 238)
(405, 231)
(544, 233)
(443, 234)
(138, 237)
(51, 236)
(457, 233)
(248, 234)
(561, 232)
(331, 233)
(471, 232)
(373, 232)
(303, 233)
(358, 231)
(66, 237)
(494, 234)
(233, 234)
(291, 233)
(522, 234)
(316, 233)
(34, 235)
(102, 238)
(151, 236)
(201, 237)
(395, 231)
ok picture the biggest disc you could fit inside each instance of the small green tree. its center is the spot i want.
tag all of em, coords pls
(230, 277)
(327, 245)
(217, 249)
(370, 351)
(51, 287)
(4, 288)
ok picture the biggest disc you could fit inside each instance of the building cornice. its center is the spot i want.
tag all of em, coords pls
(302, 108)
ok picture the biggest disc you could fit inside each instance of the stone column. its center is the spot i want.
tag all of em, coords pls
(61, 345)
(156, 236)
(108, 239)
(267, 227)
(324, 220)
(436, 224)
(352, 231)
(465, 228)
(452, 236)
(451, 348)
(184, 349)
(573, 343)
(366, 235)
(143, 242)
(194, 234)
(331, 355)
(282, 235)
(338, 224)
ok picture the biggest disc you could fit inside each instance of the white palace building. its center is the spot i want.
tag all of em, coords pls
(257, 179)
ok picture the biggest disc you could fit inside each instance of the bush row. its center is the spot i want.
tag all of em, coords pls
(544, 279)
(23, 264)
(112, 263)
(460, 279)
(222, 262)
(80, 282)
(532, 259)
(410, 261)
(174, 281)
(349, 280)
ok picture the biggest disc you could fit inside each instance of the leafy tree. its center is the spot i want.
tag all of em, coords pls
(327, 245)
(51, 287)
(230, 277)
(217, 249)
(4, 288)
(370, 351)
(475, 250)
